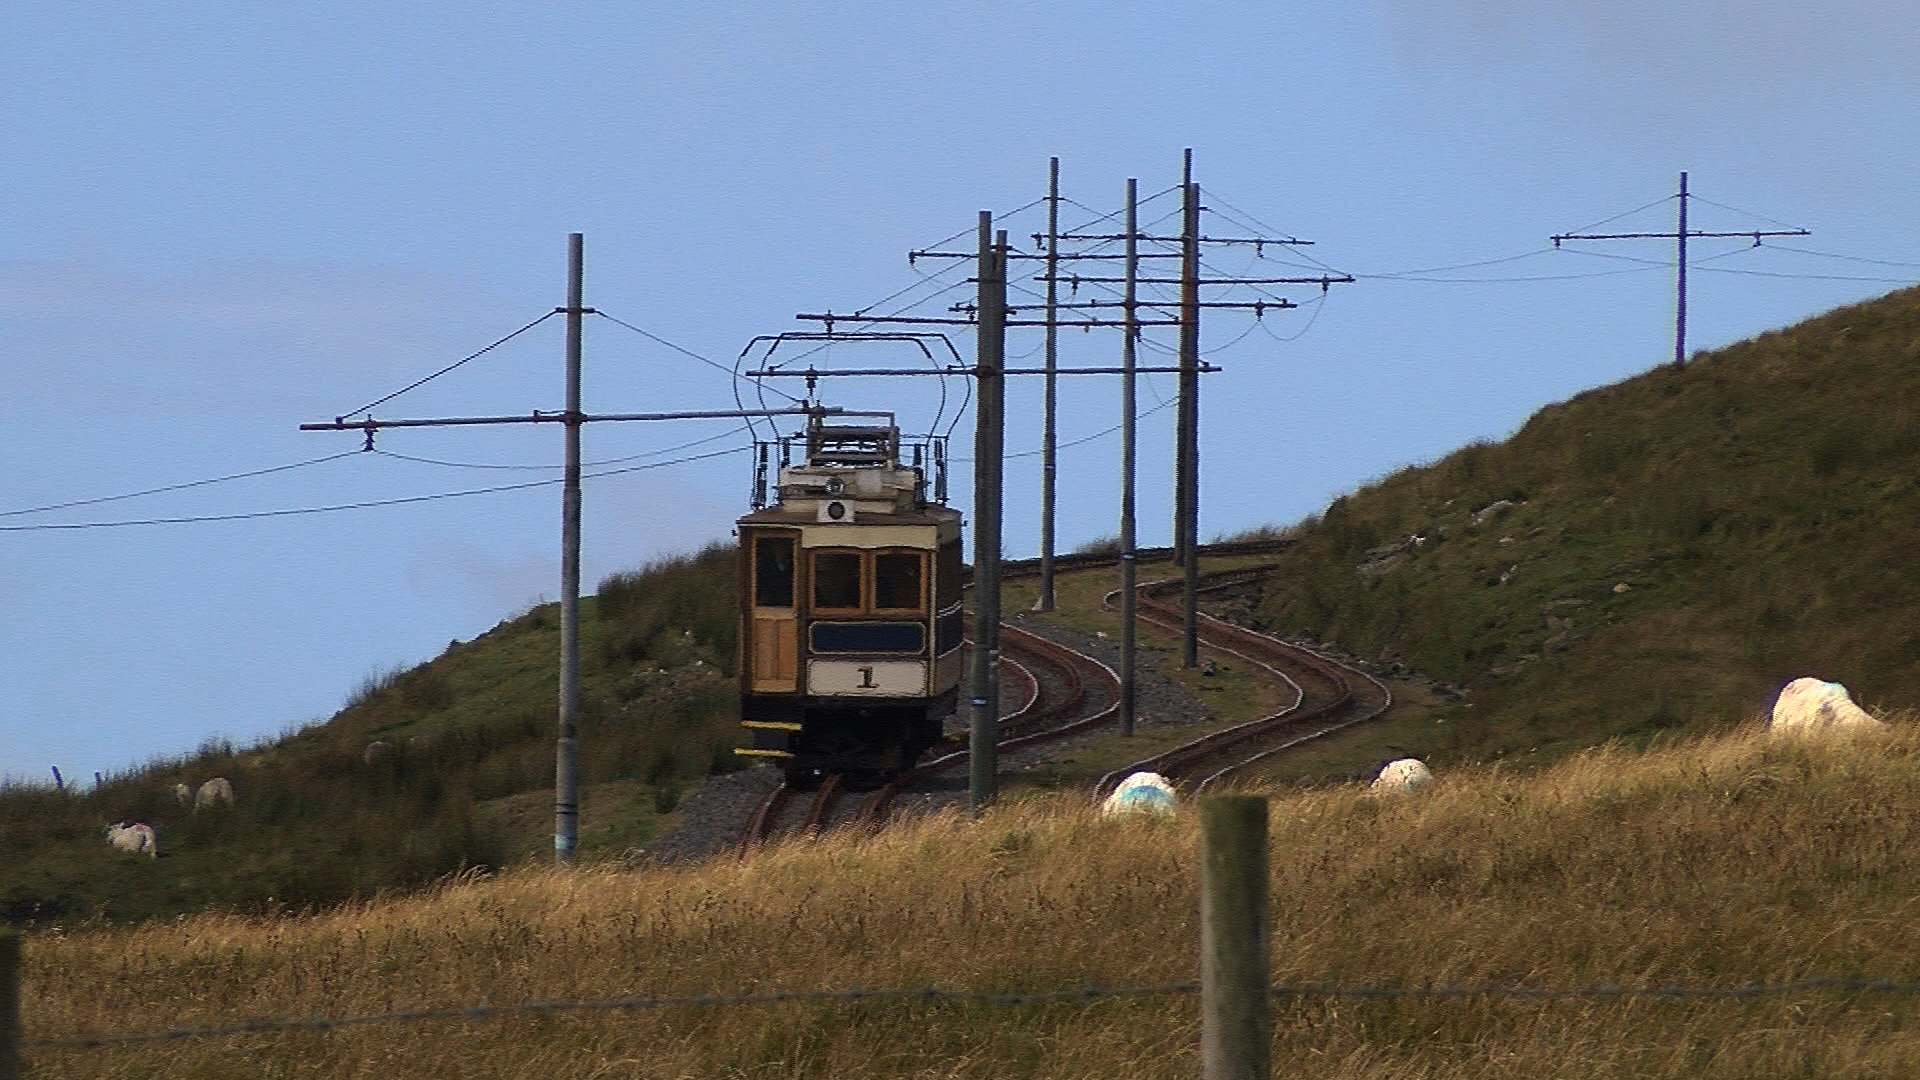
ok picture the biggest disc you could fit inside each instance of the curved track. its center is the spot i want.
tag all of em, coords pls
(1328, 695)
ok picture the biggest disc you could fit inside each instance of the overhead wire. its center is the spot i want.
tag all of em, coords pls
(178, 487)
(361, 505)
(471, 356)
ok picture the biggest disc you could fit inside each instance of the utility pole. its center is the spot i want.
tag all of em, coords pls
(1187, 502)
(1679, 236)
(1129, 598)
(991, 317)
(988, 472)
(566, 751)
(566, 795)
(1049, 437)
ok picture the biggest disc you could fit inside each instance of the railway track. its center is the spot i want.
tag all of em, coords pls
(1328, 696)
(1065, 692)
(1061, 692)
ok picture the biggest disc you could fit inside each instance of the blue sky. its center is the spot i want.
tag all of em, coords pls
(224, 220)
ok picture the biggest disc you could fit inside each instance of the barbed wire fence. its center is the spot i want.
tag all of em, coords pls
(1236, 1020)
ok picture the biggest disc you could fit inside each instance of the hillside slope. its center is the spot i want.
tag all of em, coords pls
(1665, 552)
(462, 775)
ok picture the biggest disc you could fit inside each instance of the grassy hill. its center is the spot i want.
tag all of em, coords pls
(1654, 556)
(1720, 862)
(466, 779)
(1663, 553)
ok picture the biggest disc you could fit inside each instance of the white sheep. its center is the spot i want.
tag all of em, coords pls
(134, 838)
(1143, 792)
(1402, 776)
(183, 794)
(1807, 704)
(214, 792)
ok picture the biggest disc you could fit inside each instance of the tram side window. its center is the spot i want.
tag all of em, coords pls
(773, 571)
(896, 581)
(947, 574)
(836, 580)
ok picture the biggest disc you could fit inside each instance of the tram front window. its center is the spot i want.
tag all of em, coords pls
(896, 581)
(836, 580)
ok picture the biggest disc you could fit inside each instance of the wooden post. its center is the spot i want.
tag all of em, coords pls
(1236, 1023)
(9, 1005)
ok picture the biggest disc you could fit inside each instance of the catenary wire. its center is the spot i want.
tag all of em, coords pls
(178, 487)
(679, 349)
(588, 465)
(472, 356)
(364, 505)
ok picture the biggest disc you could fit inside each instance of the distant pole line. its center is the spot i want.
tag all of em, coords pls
(1679, 236)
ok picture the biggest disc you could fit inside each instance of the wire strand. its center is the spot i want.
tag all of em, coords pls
(473, 356)
(178, 487)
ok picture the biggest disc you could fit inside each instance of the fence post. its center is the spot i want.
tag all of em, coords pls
(9, 1005)
(1236, 1022)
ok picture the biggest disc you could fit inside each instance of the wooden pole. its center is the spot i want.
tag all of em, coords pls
(1187, 530)
(1680, 300)
(1236, 1024)
(1049, 439)
(566, 768)
(1128, 569)
(989, 443)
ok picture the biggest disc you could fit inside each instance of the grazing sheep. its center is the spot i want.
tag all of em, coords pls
(376, 750)
(214, 792)
(1402, 776)
(134, 838)
(1143, 792)
(1812, 705)
(183, 794)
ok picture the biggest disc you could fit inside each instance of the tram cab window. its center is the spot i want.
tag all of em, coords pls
(947, 580)
(836, 580)
(896, 581)
(773, 571)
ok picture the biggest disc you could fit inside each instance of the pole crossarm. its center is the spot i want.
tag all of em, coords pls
(830, 318)
(969, 369)
(1755, 233)
(1258, 242)
(1248, 305)
(1323, 280)
(1108, 256)
(561, 417)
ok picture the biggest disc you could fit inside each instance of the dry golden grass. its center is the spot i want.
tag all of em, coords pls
(1720, 862)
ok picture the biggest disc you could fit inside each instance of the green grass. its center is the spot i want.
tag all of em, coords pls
(468, 781)
(1758, 506)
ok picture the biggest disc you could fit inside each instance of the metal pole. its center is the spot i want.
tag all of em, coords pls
(1180, 432)
(1048, 436)
(566, 769)
(1188, 504)
(989, 441)
(1680, 304)
(1128, 569)
(1236, 1025)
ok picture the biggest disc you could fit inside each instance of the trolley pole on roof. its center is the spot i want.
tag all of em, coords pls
(988, 469)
